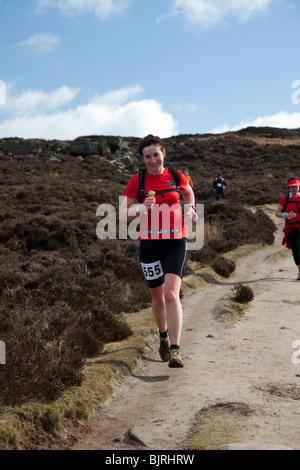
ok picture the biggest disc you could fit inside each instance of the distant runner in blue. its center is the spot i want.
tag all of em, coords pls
(219, 185)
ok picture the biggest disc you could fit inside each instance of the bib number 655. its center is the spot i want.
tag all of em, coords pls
(152, 270)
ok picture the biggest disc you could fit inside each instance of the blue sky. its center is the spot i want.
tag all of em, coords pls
(132, 67)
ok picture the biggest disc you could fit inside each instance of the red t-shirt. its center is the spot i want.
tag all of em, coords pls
(165, 220)
(293, 205)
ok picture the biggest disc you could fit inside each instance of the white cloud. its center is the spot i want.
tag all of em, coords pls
(115, 113)
(118, 97)
(282, 120)
(207, 13)
(30, 101)
(41, 43)
(101, 8)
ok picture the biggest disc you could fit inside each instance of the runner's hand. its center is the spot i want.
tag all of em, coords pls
(191, 215)
(149, 202)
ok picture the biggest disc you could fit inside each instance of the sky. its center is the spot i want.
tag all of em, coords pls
(71, 68)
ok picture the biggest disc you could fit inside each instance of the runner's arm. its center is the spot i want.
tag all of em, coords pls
(188, 196)
(278, 212)
(284, 215)
(189, 200)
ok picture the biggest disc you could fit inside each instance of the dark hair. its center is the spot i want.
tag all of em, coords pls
(150, 140)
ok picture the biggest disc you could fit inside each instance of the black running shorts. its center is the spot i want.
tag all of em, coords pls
(160, 257)
(294, 240)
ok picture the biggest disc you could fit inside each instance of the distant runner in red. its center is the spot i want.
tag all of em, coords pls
(163, 233)
(187, 175)
(289, 209)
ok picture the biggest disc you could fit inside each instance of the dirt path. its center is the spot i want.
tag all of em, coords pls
(248, 362)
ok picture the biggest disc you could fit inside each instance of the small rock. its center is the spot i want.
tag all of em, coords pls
(136, 436)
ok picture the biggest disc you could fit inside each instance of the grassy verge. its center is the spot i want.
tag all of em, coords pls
(219, 424)
(50, 425)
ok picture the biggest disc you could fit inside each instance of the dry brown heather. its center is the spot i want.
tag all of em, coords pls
(62, 289)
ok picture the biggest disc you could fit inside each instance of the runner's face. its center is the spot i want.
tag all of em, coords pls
(154, 159)
(294, 190)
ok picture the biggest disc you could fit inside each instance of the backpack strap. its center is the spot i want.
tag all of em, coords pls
(142, 175)
(176, 179)
(287, 198)
(175, 175)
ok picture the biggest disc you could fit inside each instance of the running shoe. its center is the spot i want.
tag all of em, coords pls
(298, 278)
(175, 358)
(164, 349)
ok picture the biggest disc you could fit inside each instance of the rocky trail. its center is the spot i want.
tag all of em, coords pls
(248, 362)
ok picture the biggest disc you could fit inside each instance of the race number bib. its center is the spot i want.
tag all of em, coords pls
(152, 270)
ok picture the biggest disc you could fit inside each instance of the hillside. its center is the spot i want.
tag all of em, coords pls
(61, 286)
